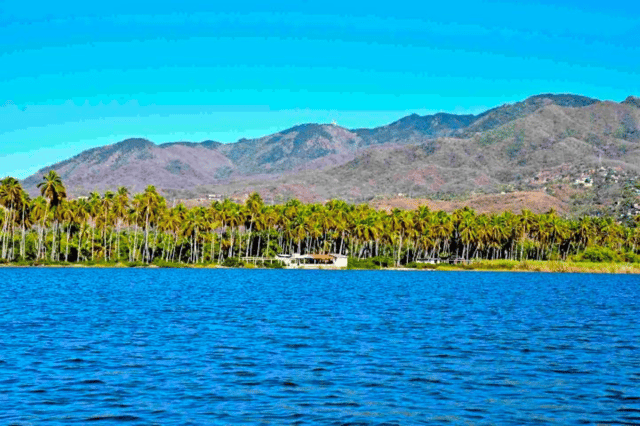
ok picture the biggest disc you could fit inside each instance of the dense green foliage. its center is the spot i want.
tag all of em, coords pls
(143, 229)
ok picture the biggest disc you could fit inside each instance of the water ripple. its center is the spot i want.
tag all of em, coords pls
(177, 347)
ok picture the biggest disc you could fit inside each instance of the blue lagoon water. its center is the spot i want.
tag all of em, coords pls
(180, 347)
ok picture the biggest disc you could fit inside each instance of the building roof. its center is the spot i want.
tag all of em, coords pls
(321, 256)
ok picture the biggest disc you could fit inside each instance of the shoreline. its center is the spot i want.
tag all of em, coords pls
(480, 266)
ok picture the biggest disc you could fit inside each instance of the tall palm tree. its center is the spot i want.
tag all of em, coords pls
(52, 188)
(148, 204)
(120, 209)
(82, 216)
(39, 212)
(25, 223)
(253, 205)
(11, 196)
(67, 217)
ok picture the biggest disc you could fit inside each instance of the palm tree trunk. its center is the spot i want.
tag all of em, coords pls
(4, 239)
(80, 232)
(175, 246)
(155, 244)
(232, 242)
(224, 229)
(145, 255)
(213, 240)
(196, 245)
(268, 239)
(13, 236)
(44, 243)
(53, 241)
(249, 237)
(118, 240)
(191, 255)
(93, 240)
(66, 249)
(135, 242)
(41, 232)
(259, 242)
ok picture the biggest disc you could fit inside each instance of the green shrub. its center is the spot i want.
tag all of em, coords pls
(496, 265)
(632, 257)
(427, 266)
(598, 254)
(355, 263)
(164, 264)
(277, 264)
(47, 262)
(376, 262)
(233, 262)
(383, 261)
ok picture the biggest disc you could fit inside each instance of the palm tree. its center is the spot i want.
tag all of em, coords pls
(466, 229)
(234, 218)
(253, 204)
(148, 205)
(107, 203)
(82, 216)
(66, 216)
(120, 208)
(268, 220)
(52, 188)
(192, 223)
(25, 223)
(11, 196)
(400, 222)
(95, 211)
(170, 224)
(527, 221)
(39, 212)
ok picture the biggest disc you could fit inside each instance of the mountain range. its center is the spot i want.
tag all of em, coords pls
(511, 145)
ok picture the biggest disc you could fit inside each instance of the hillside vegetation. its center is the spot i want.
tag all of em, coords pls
(144, 229)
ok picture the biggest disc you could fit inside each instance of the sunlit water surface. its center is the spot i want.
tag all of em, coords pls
(180, 347)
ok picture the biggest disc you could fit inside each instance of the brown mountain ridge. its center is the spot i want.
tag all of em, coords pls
(427, 155)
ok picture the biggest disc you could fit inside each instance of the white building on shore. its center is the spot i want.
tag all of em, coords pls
(313, 261)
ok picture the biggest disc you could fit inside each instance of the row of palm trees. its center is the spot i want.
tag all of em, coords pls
(117, 227)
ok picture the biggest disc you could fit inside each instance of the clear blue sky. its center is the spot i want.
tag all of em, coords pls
(79, 75)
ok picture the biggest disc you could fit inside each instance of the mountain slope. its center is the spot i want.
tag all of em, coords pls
(503, 114)
(415, 129)
(554, 144)
(293, 149)
(136, 163)
(440, 153)
(550, 138)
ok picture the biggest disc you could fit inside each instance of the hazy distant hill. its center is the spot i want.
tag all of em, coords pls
(440, 153)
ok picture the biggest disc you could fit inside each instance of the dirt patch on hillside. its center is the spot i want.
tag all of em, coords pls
(537, 202)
